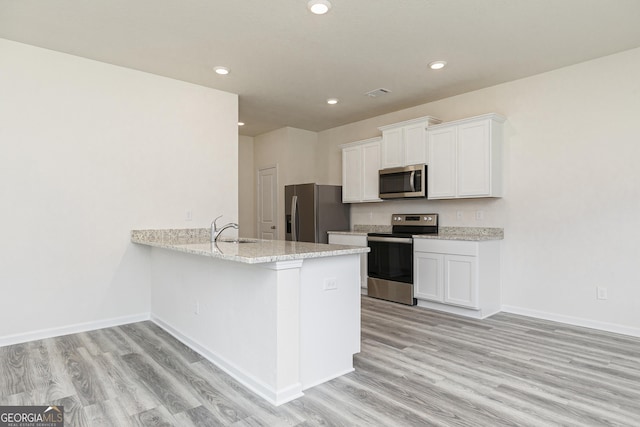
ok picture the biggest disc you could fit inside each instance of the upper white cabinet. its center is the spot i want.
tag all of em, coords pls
(360, 165)
(465, 158)
(405, 143)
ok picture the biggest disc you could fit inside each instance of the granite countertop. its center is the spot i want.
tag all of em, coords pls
(349, 233)
(472, 234)
(197, 241)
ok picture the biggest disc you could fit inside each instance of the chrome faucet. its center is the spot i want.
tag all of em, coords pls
(215, 231)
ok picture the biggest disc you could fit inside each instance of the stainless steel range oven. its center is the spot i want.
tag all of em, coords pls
(390, 262)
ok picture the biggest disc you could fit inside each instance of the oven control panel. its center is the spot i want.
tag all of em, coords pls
(414, 219)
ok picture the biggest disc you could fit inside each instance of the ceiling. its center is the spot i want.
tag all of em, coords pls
(285, 62)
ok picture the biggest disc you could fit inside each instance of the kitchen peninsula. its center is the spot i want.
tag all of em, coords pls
(278, 316)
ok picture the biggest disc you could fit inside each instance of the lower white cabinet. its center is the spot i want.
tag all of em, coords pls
(353, 240)
(461, 277)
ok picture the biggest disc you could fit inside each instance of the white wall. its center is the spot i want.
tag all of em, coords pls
(89, 151)
(294, 152)
(246, 188)
(572, 180)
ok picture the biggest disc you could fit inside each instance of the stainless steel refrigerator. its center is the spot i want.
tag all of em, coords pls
(311, 210)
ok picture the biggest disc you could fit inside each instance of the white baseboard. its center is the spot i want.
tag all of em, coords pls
(575, 321)
(72, 329)
(275, 397)
(461, 311)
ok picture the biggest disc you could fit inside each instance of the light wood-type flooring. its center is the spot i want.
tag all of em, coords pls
(417, 368)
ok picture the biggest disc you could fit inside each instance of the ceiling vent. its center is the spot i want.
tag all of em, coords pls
(378, 92)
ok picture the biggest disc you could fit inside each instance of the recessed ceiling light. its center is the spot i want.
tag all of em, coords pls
(332, 101)
(240, 123)
(223, 71)
(319, 7)
(437, 65)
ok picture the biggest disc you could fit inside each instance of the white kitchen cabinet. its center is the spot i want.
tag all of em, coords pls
(405, 143)
(460, 283)
(428, 269)
(353, 240)
(446, 278)
(461, 277)
(441, 170)
(360, 165)
(465, 158)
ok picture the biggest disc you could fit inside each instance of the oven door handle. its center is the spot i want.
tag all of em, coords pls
(407, 240)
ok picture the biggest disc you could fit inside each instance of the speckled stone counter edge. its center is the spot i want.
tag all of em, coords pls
(444, 233)
(372, 228)
(172, 235)
(198, 242)
(466, 233)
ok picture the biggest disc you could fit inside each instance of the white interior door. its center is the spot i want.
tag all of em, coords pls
(268, 203)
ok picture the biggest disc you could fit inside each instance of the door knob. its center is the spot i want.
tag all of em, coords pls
(273, 227)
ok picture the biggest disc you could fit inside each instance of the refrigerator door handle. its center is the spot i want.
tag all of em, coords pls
(294, 218)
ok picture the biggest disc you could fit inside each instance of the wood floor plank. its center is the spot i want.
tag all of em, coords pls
(15, 379)
(170, 358)
(445, 401)
(199, 416)
(121, 384)
(189, 355)
(416, 367)
(87, 383)
(74, 414)
(156, 417)
(246, 400)
(156, 380)
(108, 413)
(54, 384)
(123, 344)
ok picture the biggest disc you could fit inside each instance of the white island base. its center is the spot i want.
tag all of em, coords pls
(277, 327)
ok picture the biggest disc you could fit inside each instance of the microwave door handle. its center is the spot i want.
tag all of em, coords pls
(412, 181)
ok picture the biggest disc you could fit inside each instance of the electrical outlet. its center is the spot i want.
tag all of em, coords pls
(458, 214)
(330, 284)
(479, 215)
(196, 307)
(188, 216)
(601, 292)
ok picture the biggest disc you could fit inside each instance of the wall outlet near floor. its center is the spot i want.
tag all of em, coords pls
(330, 283)
(601, 292)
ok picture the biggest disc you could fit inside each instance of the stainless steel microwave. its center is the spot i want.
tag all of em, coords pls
(403, 182)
